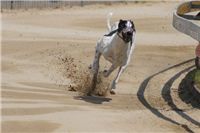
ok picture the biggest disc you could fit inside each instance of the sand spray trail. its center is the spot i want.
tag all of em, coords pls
(69, 71)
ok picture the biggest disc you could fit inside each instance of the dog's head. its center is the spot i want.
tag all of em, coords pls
(126, 28)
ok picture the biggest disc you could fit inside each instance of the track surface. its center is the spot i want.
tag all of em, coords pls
(34, 86)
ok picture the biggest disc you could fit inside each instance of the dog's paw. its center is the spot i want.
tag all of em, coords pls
(72, 88)
(112, 92)
(89, 94)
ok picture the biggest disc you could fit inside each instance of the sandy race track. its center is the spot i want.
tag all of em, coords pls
(41, 49)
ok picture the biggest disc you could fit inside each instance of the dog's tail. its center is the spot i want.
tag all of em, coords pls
(108, 21)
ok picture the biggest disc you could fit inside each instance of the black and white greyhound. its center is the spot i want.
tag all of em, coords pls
(116, 47)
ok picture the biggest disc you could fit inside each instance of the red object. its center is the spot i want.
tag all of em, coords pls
(197, 51)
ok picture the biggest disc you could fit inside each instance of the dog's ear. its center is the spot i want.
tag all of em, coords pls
(133, 26)
(132, 23)
(120, 21)
(121, 25)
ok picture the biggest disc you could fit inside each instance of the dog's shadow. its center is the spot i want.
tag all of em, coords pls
(93, 99)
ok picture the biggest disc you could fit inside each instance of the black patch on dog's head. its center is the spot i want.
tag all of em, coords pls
(121, 25)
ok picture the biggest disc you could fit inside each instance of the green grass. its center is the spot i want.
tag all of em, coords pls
(196, 77)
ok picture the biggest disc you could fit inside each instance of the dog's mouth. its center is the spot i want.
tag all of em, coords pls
(127, 37)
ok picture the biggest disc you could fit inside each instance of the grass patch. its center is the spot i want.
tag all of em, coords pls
(195, 76)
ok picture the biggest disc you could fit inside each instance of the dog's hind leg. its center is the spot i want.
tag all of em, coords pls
(91, 66)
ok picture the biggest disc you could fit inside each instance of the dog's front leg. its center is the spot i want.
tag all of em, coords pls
(93, 65)
(96, 58)
(96, 70)
(122, 68)
(115, 81)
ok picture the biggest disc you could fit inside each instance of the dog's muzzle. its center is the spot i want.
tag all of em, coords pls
(126, 34)
(127, 37)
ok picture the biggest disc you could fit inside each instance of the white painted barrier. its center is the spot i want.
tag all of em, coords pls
(185, 23)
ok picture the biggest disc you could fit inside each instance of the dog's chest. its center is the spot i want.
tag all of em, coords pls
(115, 50)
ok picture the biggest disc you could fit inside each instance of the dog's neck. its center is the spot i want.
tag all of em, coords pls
(118, 38)
(119, 35)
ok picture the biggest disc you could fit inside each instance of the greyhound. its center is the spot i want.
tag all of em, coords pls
(116, 47)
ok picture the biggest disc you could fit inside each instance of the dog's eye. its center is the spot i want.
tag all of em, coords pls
(122, 26)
